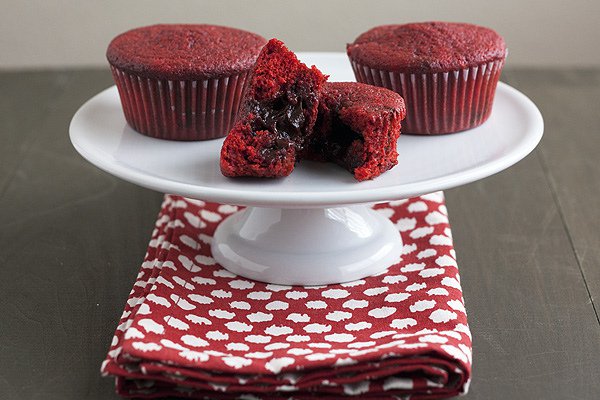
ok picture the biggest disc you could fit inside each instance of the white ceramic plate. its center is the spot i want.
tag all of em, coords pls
(425, 164)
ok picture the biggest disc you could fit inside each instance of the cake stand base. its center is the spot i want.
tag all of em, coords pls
(315, 246)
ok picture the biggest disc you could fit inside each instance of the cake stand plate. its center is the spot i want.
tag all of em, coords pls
(313, 227)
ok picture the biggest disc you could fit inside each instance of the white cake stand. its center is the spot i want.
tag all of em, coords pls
(313, 227)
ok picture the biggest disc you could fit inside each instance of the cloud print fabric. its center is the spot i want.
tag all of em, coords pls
(192, 329)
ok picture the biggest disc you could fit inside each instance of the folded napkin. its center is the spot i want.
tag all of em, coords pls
(193, 329)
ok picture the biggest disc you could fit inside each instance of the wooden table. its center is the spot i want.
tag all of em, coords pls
(72, 238)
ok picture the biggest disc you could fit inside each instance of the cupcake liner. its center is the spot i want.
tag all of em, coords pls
(441, 102)
(180, 110)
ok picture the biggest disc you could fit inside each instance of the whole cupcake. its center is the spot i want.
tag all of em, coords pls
(182, 82)
(446, 72)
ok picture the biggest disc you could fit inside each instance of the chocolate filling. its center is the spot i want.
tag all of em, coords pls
(285, 119)
(341, 143)
(283, 116)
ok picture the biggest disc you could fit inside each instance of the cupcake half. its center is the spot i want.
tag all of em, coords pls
(447, 73)
(182, 82)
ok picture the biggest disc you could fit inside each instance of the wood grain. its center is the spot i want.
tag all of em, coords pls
(25, 100)
(535, 330)
(73, 239)
(570, 156)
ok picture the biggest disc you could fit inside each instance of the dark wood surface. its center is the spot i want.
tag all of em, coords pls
(72, 237)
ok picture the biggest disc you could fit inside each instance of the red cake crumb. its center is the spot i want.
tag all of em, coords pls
(290, 113)
(184, 51)
(358, 126)
(425, 47)
(278, 112)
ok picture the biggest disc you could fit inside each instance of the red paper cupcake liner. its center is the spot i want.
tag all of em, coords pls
(180, 110)
(442, 102)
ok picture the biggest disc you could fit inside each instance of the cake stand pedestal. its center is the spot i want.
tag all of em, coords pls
(313, 227)
(311, 246)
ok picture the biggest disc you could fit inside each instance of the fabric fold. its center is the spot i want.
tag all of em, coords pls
(192, 329)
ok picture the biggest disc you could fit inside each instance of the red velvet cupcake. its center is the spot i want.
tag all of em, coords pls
(276, 118)
(358, 126)
(182, 82)
(446, 72)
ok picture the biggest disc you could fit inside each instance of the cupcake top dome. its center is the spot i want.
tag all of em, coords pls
(427, 47)
(185, 51)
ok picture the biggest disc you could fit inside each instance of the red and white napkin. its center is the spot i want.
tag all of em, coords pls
(192, 329)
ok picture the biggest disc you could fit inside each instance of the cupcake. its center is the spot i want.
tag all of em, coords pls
(358, 128)
(277, 117)
(182, 82)
(446, 72)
